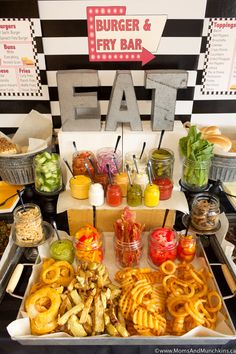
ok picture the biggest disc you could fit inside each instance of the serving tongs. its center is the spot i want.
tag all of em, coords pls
(8, 267)
(229, 275)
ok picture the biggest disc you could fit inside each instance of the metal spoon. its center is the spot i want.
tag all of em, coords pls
(55, 228)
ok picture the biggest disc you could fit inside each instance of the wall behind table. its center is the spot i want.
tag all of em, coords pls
(63, 45)
(14, 109)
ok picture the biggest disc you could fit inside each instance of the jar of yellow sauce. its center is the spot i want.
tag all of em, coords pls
(151, 195)
(122, 180)
(79, 186)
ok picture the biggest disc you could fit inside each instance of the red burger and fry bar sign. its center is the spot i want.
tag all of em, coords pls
(115, 36)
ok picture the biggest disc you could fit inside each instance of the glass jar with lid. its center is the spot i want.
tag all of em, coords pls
(205, 212)
(162, 161)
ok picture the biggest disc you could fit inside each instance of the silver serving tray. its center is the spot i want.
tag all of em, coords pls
(57, 339)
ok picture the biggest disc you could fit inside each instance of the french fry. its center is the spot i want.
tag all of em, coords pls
(75, 327)
(86, 309)
(73, 311)
(98, 315)
(76, 298)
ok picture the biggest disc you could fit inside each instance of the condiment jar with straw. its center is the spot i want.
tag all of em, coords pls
(113, 193)
(101, 178)
(79, 158)
(151, 192)
(105, 156)
(121, 178)
(187, 244)
(96, 191)
(134, 192)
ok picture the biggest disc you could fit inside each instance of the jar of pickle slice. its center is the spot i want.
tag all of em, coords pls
(162, 161)
(79, 158)
(205, 212)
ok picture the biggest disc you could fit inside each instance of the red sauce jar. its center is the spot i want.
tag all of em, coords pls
(165, 187)
(162, 246)
(113, 195)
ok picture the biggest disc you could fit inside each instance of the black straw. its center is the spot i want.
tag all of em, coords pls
(21, 199)
(135, 164)
(188, 226)
(161, 137)
(144, 145)
(117, 142)
(94, 216)
(69, 168)
(93, 165)
(75, 147)
(165, 217)
(109, 173)
(116, 164)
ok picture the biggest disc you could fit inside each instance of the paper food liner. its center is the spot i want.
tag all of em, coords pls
(20, 328)
(27, 129)
(27, 138)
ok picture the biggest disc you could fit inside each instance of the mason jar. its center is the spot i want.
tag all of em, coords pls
(79, 158)
(106, 156)
(96, 194)
(195, 174)
(162, 161)
(113, 195)
(205, 212)
(134, 195)
(162, 246)
(47, 172)
(89, 247)
(128, 254)
(79, 186)
(151, 195)
(28, 225)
